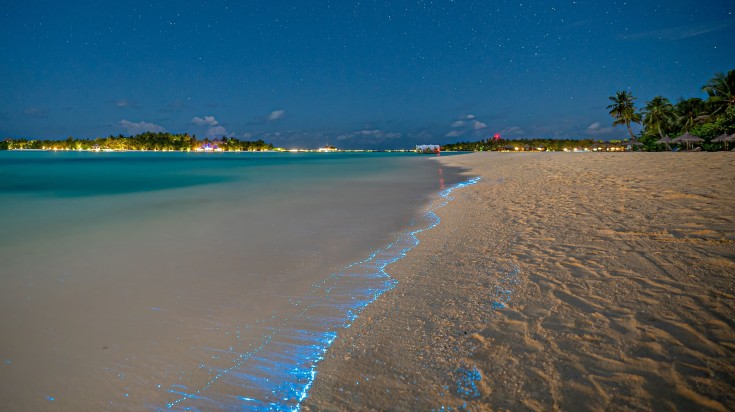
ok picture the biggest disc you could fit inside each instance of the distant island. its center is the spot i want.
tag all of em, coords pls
(546, 145)
(143, 141)
(709, 124)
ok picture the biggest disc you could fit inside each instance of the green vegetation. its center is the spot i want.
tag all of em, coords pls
(525, 145)
(707, 119)
(658, 115)
(143, 141)
(623, 110)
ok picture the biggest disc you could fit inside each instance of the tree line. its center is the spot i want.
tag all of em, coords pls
(705, 118)
(521, 144)
(142, 141)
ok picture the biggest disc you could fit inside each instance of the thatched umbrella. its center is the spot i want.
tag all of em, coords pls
(633, 142)
(688, 139)
(724, 138)
(665, 140)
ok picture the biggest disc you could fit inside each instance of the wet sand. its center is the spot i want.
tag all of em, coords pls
(120, 295)
(561, 281)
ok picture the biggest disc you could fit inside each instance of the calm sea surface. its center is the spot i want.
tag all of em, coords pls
(179, 281)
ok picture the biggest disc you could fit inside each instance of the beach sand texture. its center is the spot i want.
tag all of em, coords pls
(561, 281)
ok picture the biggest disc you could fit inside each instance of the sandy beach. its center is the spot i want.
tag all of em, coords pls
(561, 281)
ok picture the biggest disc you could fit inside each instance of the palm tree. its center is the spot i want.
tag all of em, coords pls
(623, 110)
(690, 112)
(659, 114)
(721, 90)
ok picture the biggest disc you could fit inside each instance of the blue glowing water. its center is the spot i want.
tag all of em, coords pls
(194, 281)
(502, 293)
(467, 376)
(278, 373)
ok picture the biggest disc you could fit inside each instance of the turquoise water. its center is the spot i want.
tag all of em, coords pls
(193, 281)
(92, 174)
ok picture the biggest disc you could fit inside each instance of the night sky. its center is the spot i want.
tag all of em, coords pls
(355, 74)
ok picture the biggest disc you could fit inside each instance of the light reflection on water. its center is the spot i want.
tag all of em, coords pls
(277, 373)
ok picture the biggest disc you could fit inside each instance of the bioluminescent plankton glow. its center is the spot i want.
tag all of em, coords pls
(276, 372)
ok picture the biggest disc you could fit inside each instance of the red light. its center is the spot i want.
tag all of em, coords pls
(496, 136)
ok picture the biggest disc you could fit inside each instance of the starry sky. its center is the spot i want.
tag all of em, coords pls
(355, 74)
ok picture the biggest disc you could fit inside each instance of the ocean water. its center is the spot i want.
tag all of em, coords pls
(175, 281)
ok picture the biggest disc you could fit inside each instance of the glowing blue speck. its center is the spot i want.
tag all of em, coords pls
(466, 382)
(277, 372)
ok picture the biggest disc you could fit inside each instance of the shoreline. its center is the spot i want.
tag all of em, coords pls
(239, 321)
(299, 341)
(559, 280)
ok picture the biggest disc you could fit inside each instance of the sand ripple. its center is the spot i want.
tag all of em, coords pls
(624, 295)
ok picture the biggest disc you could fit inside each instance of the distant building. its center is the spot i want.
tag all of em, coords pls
(208, 148)
(328, 148)
(428, 148)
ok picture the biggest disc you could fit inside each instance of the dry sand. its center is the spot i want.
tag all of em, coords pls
(618, 275)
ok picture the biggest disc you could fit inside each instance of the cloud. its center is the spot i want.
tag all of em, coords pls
(207, 120)
(369, 136)
(35, 113)
(175, 106)
(126, 104)
(421, 134)
(512, 131)
(596, 129)
(276, 114)
(578, 23)
(297, 139)
(680, 32)
(267, 119)
(140, 127)
(467, 124)
(214, 129)
(217, 131)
